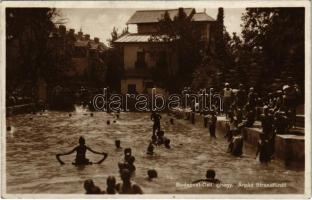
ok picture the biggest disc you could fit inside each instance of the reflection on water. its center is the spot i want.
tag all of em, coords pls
(34, 141)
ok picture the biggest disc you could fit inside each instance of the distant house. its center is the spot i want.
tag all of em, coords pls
(77, 54)
(141, 53)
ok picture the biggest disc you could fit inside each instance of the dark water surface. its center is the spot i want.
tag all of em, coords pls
(33, 143)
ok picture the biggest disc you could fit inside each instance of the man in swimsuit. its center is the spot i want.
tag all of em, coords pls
(81, 150)
(156, 118)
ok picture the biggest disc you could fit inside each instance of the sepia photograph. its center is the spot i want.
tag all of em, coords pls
(155, 98)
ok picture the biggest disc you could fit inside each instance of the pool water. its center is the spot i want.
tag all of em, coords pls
(34, 141)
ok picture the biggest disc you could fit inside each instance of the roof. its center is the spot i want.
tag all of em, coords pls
(135, 38)
(201, 17)
(152, 16)
(98, 46)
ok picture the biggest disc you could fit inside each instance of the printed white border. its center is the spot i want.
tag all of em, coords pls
(163, 4)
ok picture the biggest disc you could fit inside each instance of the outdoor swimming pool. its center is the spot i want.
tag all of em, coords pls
(34, 141)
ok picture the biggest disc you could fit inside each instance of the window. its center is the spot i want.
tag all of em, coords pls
(131, 88)
(140, 63)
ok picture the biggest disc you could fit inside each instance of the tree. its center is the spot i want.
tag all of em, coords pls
(114, 58)
(27, 32)
(218, 64)
(274, 37)
(183, 36)
(115, 35)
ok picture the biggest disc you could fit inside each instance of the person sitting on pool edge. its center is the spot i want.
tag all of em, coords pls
(81, 154)
(210, 177)
(126, 187)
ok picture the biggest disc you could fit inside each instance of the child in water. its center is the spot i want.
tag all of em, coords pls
(91, 188)
(160, 137)
(126, 187)
(210, 177)
(162, 140)
(111, 185)
(128, 161)
(152, 173)
(127, 154)
(117, 144)
(150, 148)
(81, 150)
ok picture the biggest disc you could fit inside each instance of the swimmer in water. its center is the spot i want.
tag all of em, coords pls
(127, 154)
(111, 185)
(126, 187)
(154, 139)
(210, 177)
(167, 143)
(108, 122)
(160, 137)
(150, 148)
(128, 161)
(155, 117)
(117, 144)
(130, 164)
(91, 188)
(152, 173)
(81, 154)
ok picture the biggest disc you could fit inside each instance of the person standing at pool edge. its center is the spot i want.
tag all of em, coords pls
(81, 150)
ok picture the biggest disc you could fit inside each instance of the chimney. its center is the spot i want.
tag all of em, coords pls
(96, 40)
(62, 30)
(87, 37)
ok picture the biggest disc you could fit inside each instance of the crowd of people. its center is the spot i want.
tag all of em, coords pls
(241, 108)
(126, 166)
(276, 111)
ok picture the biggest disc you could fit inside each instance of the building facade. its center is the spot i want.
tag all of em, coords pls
(141, 54)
